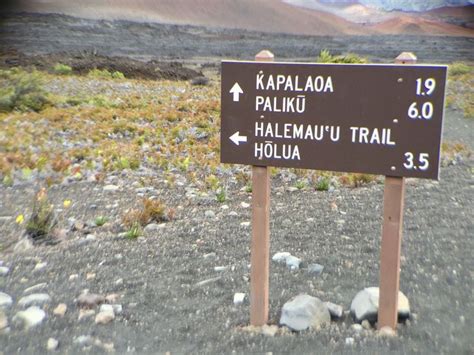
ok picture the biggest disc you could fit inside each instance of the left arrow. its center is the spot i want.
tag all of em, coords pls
(237, 138)
(236, 91)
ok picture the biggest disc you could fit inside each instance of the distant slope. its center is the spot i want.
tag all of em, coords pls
(285, 16)
(412, 25)
(261, 15)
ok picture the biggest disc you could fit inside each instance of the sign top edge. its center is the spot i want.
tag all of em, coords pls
(338, 64)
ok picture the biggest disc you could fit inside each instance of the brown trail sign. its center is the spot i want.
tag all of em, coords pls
(378, 119)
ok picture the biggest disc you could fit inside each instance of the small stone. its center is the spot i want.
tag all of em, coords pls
(35, 288)
(349, 341)
(23, 245)
(31, 317)
(4, 271)
(245, 205)
(84, 340)
(110, 188)
(315, 269)
(90, 276)
(281, 257)
(245, 224)
(356, 327)
(35, 299)
(104, 317)
(210, 214)
(106, 308)
(366, 324)
(60, 310)
(119, 282)
(89, 300)
(117, 308)
(220, 268)
(108, 347)
(112, 298)
(387, 332)
(40, 266)
(52, 344)
(85, 314)
(153, 227)
(73, 277)
(233, 214)
(303, 312)
(335, 310)
(5, 300)
(269, 330)
(3, 321)
(239, 298)
(293, 262)
(91, 237)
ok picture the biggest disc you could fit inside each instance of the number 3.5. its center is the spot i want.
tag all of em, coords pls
(423, 162)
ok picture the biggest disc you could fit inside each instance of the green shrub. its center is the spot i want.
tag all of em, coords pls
(62, 69)
(22, 90)
(459, 68)
(326, 57)
(105, 74)
(118, 75)
(42, 220)
(322, 184)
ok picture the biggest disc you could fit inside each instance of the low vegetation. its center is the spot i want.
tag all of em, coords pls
(460, 83)
(42, 220)
(350, 58)
(148, 211)
(168, 126)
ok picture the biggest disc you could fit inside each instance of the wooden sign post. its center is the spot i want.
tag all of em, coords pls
(389, 281)
(370, 118)
(260, 248)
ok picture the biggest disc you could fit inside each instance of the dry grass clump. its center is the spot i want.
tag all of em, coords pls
(150, 210)
(459, 93)
(43, 219)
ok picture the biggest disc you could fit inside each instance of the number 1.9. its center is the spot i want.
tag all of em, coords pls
(429, 85)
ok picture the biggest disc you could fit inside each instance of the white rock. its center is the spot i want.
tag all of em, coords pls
(104, 317)
(91, 237)
(84, 340)
(110, 188)
(387, 332)
(245, 205)
(4, 271)
(30, 317)
(293, 262)
(269, 330)
(335, 310)
(366, 303)
(315, 269)
(245, 224)
(303, 312)
(73, 277)
(152, 227)
(35, 299)
(233, 214)
(85, 314)
(3, 321)
(117, 308)
(60, 310)
(220, 268)
(106, 308)
(210, 214)
(349, 341)
(281, 257)
(24, 244)
(5, 300)
(239, 298)
(52, 344)
(35, 288)
(40, 266)
(356, 327)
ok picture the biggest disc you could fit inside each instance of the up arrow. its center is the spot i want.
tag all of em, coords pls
(236, 91)
(237, 138)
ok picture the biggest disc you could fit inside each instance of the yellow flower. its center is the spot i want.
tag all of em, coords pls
(67, 203)
(20, 219)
